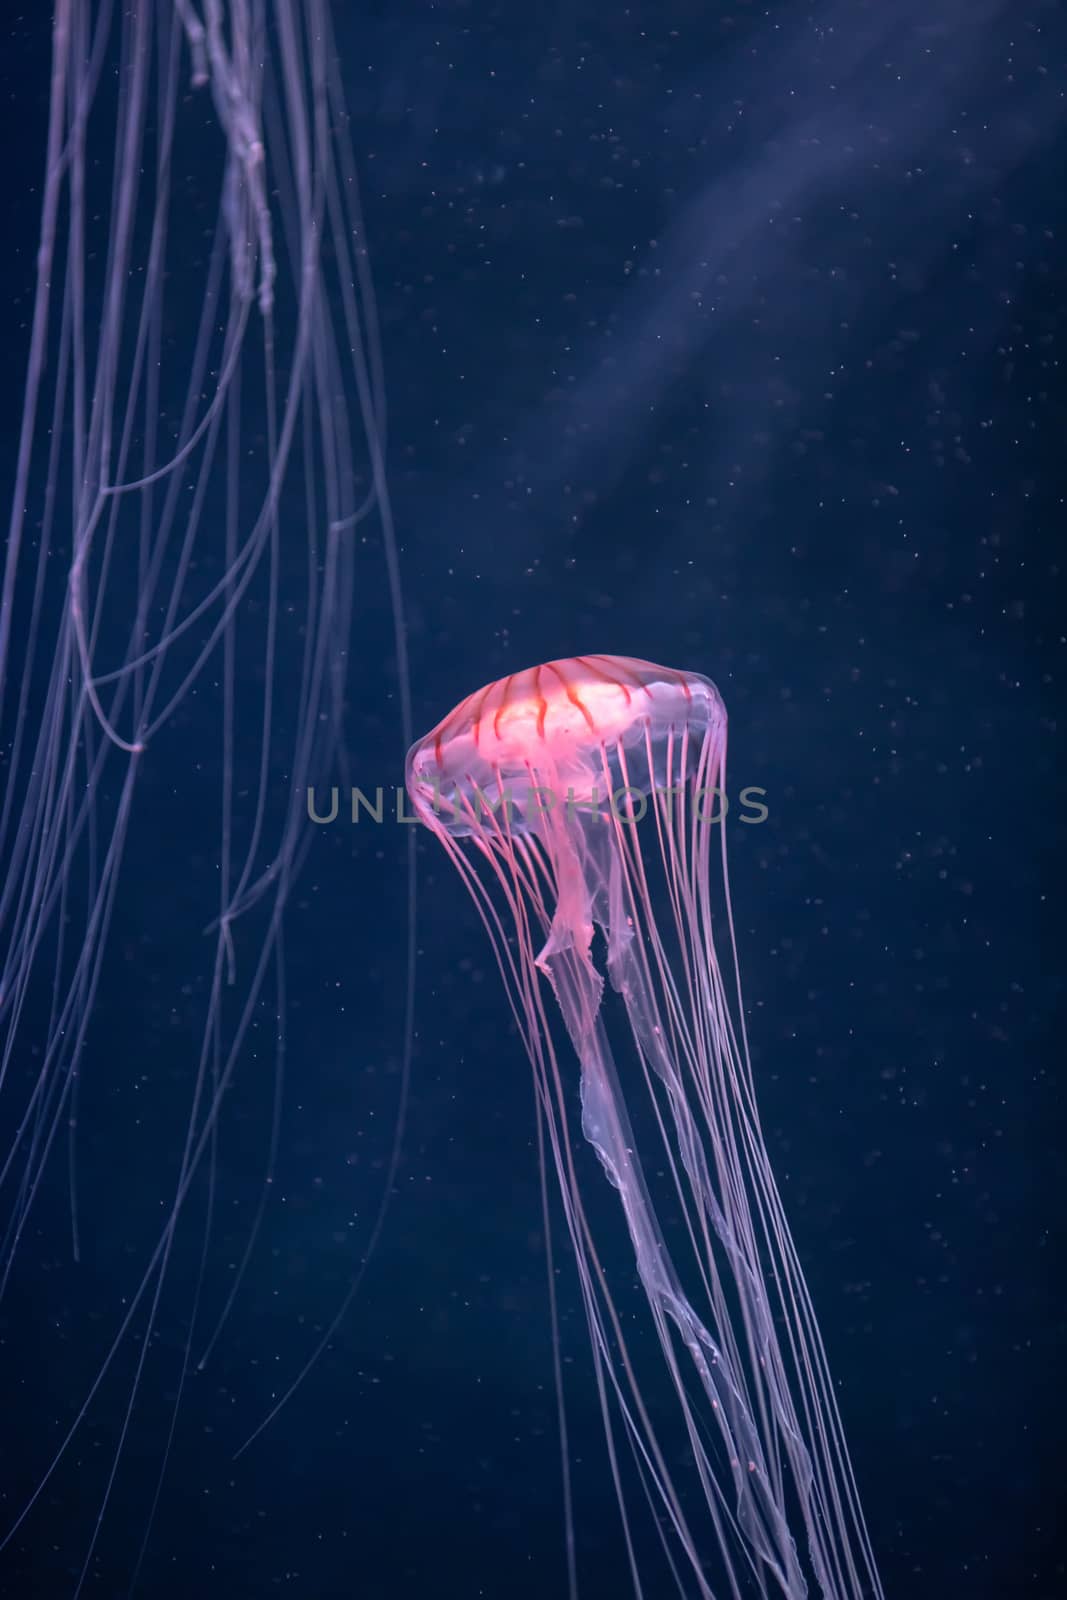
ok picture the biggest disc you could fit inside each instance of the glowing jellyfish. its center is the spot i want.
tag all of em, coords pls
(588, 791)
(200, 458)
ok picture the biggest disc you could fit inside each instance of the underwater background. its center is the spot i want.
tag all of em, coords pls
(731, 337)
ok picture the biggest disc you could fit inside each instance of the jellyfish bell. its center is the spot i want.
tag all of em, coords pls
(560, 748)
(562, 733)
(579, 788)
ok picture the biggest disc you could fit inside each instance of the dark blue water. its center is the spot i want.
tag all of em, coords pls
(730, 337)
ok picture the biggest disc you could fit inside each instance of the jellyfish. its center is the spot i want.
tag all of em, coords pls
(200, 464)
(580, 801)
